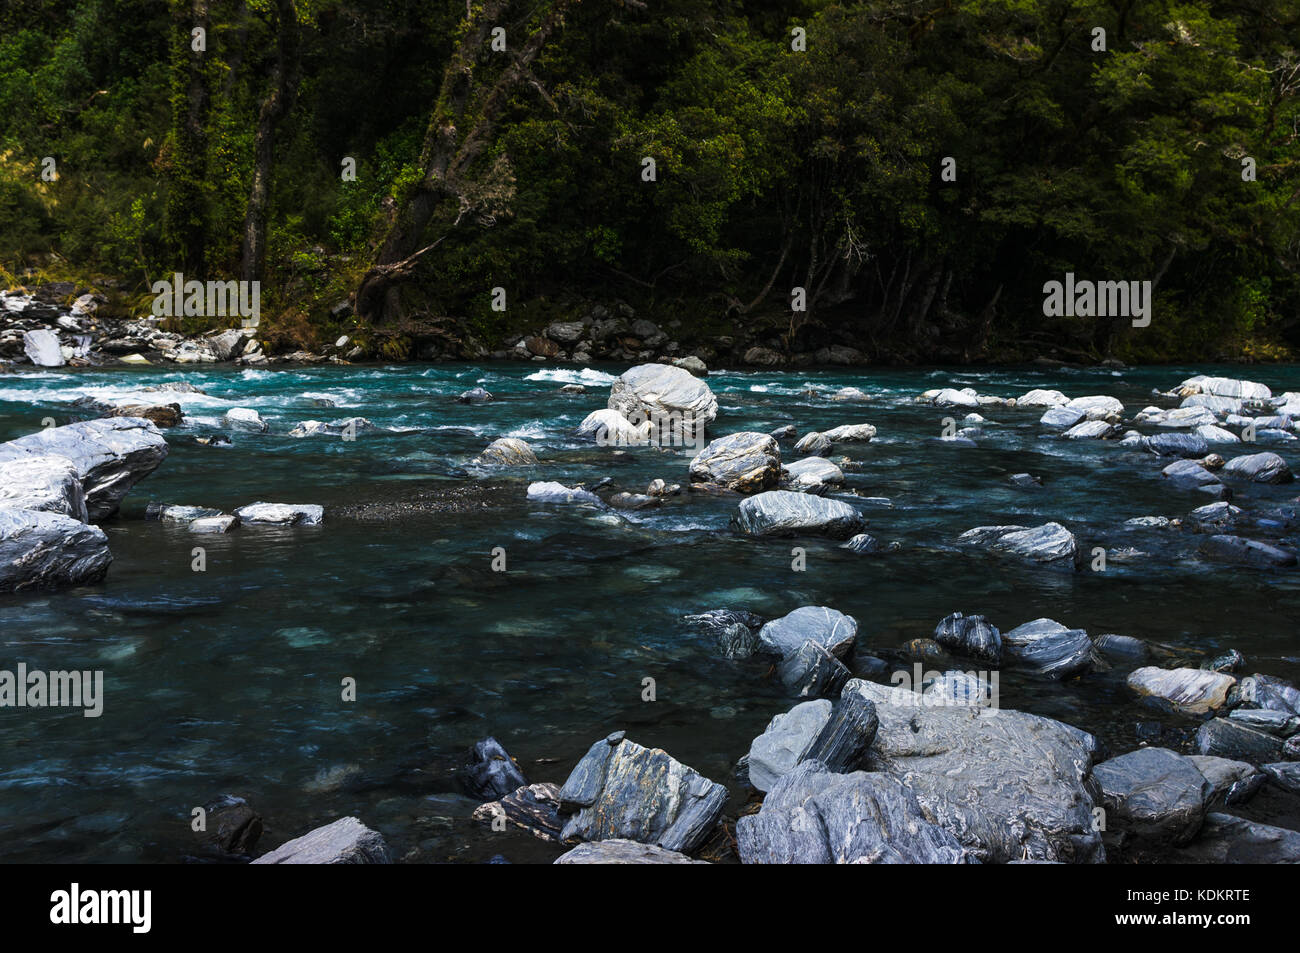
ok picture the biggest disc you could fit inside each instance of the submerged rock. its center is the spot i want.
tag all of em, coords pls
(44, 550)
(233, 827)
(1050, 545)
(173, 513)
(623, 790)
(1154, 794)
(863, 543)
(346, 841)
(1247, 552)
(783, 513)
(475, 395)
(490, 772)
(282, 514)
(813, 816)
(507, 452)
(746, 462)
(619, 851)
(1122, 648)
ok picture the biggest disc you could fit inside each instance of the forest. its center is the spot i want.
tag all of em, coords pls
(916, 169)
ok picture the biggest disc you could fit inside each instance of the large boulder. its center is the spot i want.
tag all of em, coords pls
(1193, 691)
(110, 456)
(49, 484)
(623, 790)
(1223, 387)
(746, 462)
(346, 841)
(1007, 784)
(829, 628)
(813, 816)
(45, 550)
(1259, 468)
(1048, 648)
(783, 513)
(651, 391)
(42, 348)
(1154, 794)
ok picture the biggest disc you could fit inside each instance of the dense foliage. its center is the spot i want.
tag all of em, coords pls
(775, 167)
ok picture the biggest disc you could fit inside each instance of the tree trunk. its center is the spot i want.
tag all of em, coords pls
(187, 216)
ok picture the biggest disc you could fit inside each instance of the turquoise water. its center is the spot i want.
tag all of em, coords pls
(229, 680)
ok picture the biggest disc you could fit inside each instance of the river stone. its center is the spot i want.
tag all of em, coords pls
(475, 395)
(1231, 782)
(160, 415)
(984, 535)
(552, 492)
(1219, 513)
(1189, 690)
(346, 841)
(813, 816)
(850, 433)
(233, 827)
(1223, 387)
(246, 418)
(959, 688)
(1043, 398)
(1189, 474)
(863, 543)
(1007, 784)
(618, 851)
(46, 483)
(489, 772)
(970, 636)
(507, 452)
(814, 444)
(1154, 794)
(1097, 407)
(1050, 545)
(282, 514)
(784, 513)
(1185, 445)
(829, 628)
(1091, 430)
(784, 742)
(530, 807)
(42, 348)
(1061, 418)
(44, 550)
(1259, 468)
(746, 462)
(609, 428)
(1220, 406)
(652, 390)
(1280, 723)
(814, 471)
(214, 524)
(1225, 738)
(949, 397)
(1247, 552)
(810, 671)
(1269, 692)
(173, 513)
(1122, 648)
(1216, 435)
(623, 790)
(1048, 648)
(1225, 839)
(110, 456)
(1284, 774)
(850, 393)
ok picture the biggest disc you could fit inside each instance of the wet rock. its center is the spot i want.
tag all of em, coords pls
(1091, 430)
(788, 432)
(1231, 782)
(1280, 723)
(1188, 474)
(1183, 418)
(48, 484)
(1233, 840)
(1048, 649)
(1026, 480)
(1050, 545)
(110, 456)
(843, 741)
(530, 807)
(245, 418)
(1284, 774)
(47, 550)
(1229, 661)
(1185, 445)
(346, 841)
(864, 544)
(811, 671)
(1265, 691)
(489, 772)
(214, 524)
(815, 444)
(475, 395)
(1216, 435)
(950, 397)
(1122, 648)
(617, 851)
(813, 816)
(849, 393)
(347, 428)
(692, 364)
(566, 332)
(160, 415)
(1190, 690)
(1097, 407)
(662, 390)
(1062, 418)
(42, 348)
(1247, 552)
(829, 628)
(1154, 794)
(1223, 387)
(1221, 513)
(609, 428)
(172, 513)
(783, 513)
(1225, 738)
(784, 742)
(623, 790)
(507, 452)
(282, 514)
(552, 492)
(735, 633)
(746, 462)
(232, 825)
(1259, 468)
(1043, 398)
(1008, 785)
(850, 433)
(971, 636)
(813, 472)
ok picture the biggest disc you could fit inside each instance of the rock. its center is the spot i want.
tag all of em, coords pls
(1154, 794)
(1122, 648)
(566, 332)
(660, 390)
(1189, 690)
(1048, 649)
(42, 348)
(1008, 785)
(813, 816)
(1189, 474)
(1027, 480)
(1186, 445)
(1231, 782)
(850, 433)
(815, 444)
(48, 484)
(475, 395)
(172, 513)
(949, 397)
(746, 462)
(542, 347)
(843, 741)
(490, 772)
(1279, 723)
(49, 550)
(1247, 552)
(1184, 418)
(762, 357)
(1096, 407)
(1284, 774)
(1233, 840)
(245, 418)
(530, 807)
(160, 415)
(1091, 430)
(1259, 468)
(552, 492)
(971, 636)
(109, 456)
(573, 389)
(282, 514)
(618, 851)
(1225, 738)
(1220, 513)
(507, 452)
(1271, 693)
(1219, 406)
(1043, 398)
(346, 841)
(214, 524)
(1051, 544)
(812, 472)
(692, 365)
(863, 543)
(1062, 418)
(735, 633)
(785, 740)
(1216, 435)
(850, 393)
(610, 428)
(811, 671)
(623, 790)
(782, 513)
(227, 345)
(1223, 387)
(784, 433)
(233, 827)
(834, 631)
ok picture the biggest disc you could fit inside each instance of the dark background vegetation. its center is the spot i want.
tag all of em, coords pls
(775, 168)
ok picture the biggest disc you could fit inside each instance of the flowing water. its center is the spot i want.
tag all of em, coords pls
(229, 680)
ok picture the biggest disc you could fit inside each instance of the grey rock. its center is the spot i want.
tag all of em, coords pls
(489, 772)
(651, 390)
(814, 472)
(530, 807)
(346, 841)
(1224, 738)
(1188, 474)
(814, 444)
(618, 851)
(843, 741)
(282, 514)
(1061, 418)
(783, 513)
(49, 484)
(1284, 774)
(850, 433)
(566, 332)
(552, 492)
(1154, 794)
(1233, 840)
(971, 636)
(1048, 649)
(1280, 723)
(746, 462)
(1091, 430)
(1259, 468)
(1247, 552)
(1231, 782)
(507, 452)
(246, 418)
(1189, 690)
(829, 628)
(1122, 648)
(173, 513)
(42, 348)
(1265, 691)
(1050, 545)
(1185, 445)
(475, 395)
(811, 671)
(233, 827)
(785, 741)
(214, 524)
(44, 550)
(863, 543)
